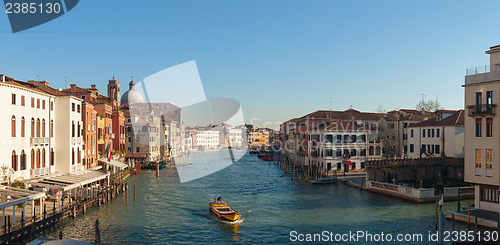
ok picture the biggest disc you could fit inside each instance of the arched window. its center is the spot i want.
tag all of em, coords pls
(23, 160)
(78, 129)
(14, 160)
(52, 156)
(43, 158)
(43, 128)
(13, 126)
(377, 151)
(73, 156)
(73, 129)
(32, 159)
(51, 128)
(32, 127)
(79, 155)
(38, 127)
(22, 127)
(38, 158)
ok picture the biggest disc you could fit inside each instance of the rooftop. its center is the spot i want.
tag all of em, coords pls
(457, 119)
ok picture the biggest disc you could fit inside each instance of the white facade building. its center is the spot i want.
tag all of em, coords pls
(207, 139)
(344, 146)
(236, 137)
(69, 134)
(442, 136)
(36, 130)
(148, 138)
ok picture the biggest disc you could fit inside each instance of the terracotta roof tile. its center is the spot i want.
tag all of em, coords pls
(76, 89)
(347, 114)
(457, 119)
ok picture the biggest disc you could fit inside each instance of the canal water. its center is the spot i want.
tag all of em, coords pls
(166, 211)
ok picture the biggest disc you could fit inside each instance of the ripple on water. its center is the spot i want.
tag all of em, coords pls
(166, 211)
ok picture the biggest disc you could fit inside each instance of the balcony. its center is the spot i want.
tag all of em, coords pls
(38, 141)
(481, 110)
(39, 172)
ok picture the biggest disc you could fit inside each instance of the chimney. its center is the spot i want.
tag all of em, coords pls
(73, 85)
(92, 86)
(45, 83)
(3, 78)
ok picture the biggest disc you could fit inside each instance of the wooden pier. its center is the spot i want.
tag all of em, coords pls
(52, 213)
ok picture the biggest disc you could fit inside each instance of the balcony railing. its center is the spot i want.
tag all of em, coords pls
(39, 172)
(482, 74)
(35, 141)
(477, 70)
(481, 110)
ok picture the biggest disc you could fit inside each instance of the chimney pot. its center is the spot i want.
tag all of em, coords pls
(73, 85)
(92, 86)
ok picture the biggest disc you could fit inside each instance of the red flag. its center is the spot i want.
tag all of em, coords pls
(108, 153)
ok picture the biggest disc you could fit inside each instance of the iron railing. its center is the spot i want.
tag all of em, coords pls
(481, 110)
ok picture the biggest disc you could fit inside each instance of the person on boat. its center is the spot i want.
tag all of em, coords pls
(219, 198)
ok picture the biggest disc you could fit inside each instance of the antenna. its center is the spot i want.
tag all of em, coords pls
(37, 77)
(330, 103)
(66, 81)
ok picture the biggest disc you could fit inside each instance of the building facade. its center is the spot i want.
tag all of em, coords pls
(442, 136)
(482, 127)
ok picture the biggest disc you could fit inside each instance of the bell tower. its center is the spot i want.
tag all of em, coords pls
(114, 90)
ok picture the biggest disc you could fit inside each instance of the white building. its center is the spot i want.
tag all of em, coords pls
(69, 134)
(148, 137)
(343, 145)
(36, 130)
(442, 136)
(236, 137)
(207, 139)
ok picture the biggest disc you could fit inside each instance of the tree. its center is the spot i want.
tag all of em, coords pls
(428, 105)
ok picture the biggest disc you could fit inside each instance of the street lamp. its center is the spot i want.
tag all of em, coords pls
(459, 174)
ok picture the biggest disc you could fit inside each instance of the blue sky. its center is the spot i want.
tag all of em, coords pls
(280, 59)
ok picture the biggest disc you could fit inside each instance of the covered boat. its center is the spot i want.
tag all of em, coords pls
(222, 210)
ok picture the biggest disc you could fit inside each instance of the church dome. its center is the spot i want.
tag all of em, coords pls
(131, 96)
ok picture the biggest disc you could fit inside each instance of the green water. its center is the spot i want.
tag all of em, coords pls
(166, 211)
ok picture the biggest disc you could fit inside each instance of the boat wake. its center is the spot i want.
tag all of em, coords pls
(225, 221)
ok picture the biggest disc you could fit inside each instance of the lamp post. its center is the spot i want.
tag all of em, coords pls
(459, 175)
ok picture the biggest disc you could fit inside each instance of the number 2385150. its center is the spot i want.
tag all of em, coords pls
(32, 8)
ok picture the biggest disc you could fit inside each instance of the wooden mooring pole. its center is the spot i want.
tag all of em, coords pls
(468, 214)
(97, 233)
(436, 215)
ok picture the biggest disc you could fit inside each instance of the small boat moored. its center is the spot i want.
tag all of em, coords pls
(223, 211)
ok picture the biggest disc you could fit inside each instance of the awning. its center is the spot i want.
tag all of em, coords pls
(70, 181)
(11, 196)
(114, 163)
(348, 163)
